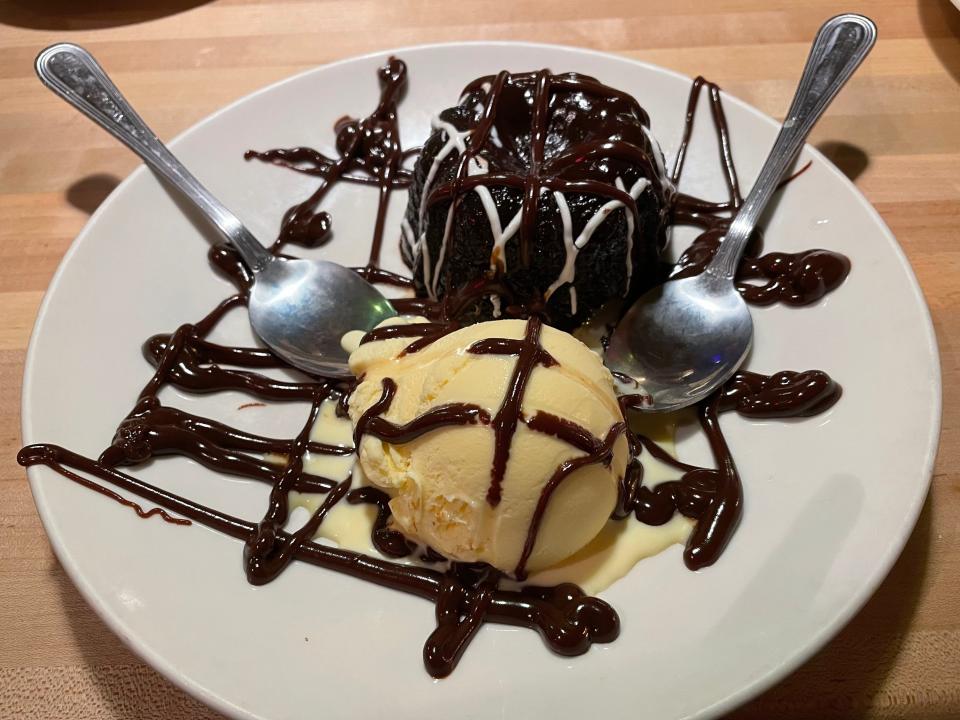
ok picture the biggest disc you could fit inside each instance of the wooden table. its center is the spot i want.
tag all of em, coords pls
(896, 129)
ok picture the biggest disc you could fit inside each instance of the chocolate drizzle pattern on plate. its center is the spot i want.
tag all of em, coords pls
(370, 154)
(791, 278)
(465, 595)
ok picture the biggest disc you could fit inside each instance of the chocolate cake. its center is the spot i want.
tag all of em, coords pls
(551, 183)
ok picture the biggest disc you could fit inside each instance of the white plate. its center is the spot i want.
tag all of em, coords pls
(830, 501)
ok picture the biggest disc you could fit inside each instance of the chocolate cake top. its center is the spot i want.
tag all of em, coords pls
(545, 137)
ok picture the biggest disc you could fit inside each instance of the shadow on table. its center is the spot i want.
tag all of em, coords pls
(124, 684)
(849, 159)
(841, 681)
(941, 26)
(88, 193)
(76, 15)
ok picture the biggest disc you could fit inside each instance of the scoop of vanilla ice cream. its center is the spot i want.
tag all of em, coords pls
(438, 482)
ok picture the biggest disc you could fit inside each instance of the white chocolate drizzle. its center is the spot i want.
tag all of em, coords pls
(455, 140)
(574, 246)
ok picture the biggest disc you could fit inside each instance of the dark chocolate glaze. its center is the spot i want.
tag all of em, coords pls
(684, 204)
(152, 429)
(569, 431)
(266, 554)
(784, 394)
(425, 334)
(369, 153)
(714, 497)
(389, 542)
(602, 452)
(50, 455)
(192, 364)
(798, 278)
(530, 353)
(380, 276)
(371, 422)
(465, 595)
(343, 398)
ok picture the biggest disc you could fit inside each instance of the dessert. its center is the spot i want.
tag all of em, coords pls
(553, 182)
(418, 539)
(499, 443)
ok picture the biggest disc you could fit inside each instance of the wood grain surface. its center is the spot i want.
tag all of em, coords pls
(895, 130)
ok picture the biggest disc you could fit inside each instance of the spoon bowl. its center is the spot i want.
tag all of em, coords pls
(302, 308)
(672, 324)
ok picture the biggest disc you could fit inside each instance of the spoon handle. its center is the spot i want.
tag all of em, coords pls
(839, 48)
(73, 74)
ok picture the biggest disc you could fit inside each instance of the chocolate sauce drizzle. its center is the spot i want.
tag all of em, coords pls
(466, 596)
(530, 353)
(567, 619)
(598, 452)
(371, 422)
(388, 542)
(714, 497)
(800, 278)
(426, 334)
(791, 278)
(369, 153)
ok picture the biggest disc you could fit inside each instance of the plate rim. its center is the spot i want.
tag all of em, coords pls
(734, 699)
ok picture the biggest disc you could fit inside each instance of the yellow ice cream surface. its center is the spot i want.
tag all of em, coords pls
(439, 481)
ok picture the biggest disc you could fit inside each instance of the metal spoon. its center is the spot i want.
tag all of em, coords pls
(682, 340)
(300, 308)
